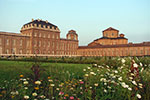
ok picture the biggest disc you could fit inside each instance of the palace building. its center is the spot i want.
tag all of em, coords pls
(39, 38)
(114, 44)
(42, 38)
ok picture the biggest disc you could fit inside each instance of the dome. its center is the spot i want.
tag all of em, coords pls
(72, 32)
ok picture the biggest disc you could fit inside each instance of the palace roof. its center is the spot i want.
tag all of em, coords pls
(40, 22)
(116, 46)
(110, 28)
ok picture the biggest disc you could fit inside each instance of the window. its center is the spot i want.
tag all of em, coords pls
(69, 37)
(35, 43)
(0, 41)
(20, 42)
(39, 43)
(141, 51)
(53, 36)
(20, 51)
(28, 43)
(48, 35)
(39, 34)
(112, 34)
(48, 44)
(35, 34)
(14, 50)
(0, 50)
(7, 42)
(14, 42)
(44, 36)
(7, 51)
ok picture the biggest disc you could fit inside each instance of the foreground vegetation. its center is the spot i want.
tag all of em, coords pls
(107, 79)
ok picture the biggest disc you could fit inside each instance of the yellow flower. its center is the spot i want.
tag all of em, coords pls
(48, 77)
(12, 96)
(1, 95)
(21, 75)
(3, 92)
(66, 95)
(36, 88)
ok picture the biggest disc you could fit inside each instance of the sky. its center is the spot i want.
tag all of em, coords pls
(87, 17)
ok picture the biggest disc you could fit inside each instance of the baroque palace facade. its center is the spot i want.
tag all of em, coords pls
(39, 38)
(42, 38)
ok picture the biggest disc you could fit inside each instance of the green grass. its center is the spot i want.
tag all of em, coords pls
(12, 69)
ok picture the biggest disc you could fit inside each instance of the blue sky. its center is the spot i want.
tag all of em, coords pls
(88, 17)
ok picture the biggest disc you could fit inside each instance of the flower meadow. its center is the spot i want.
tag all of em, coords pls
(121, 79)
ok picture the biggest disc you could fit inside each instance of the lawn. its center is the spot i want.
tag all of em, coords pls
(110, 79)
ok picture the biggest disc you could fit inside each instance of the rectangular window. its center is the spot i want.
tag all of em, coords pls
(39, 43)
(0, 41)
(0, 50)
(35, 34)
(14, 42)
(48, 35)
(39, 34)
(20, 42)
(7, 51)
(7, 42)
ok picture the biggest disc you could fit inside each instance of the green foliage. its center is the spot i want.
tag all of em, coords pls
(105, 78)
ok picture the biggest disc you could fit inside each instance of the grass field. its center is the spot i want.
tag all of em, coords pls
(12, 69)
(110, 79)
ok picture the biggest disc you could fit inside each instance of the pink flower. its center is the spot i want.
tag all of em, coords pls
(61, 93)
(64, 97)
(81, 82)
(71, 98)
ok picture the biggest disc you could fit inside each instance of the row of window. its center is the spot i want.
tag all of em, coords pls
(62, 46)
(115, 53)
(53, 36)
(13, 51)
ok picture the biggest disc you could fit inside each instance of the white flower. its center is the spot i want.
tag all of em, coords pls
(26, 97)
(25, 88)
(88, 68)
(50, 80)
(52, 85)
(124, 85)
(140, 85)
(86, 75)
(17, 92)
(57, 88)
(116, 71)
(141, 64)
(142, 70)
(96, 84)
(25, 82)
(132, 74)
(34, 94)
(123, 61)
(38, 82)
(24, 79)
(105, 90)
(92, 73)
(138, 95)
(130, 89)
(109, 87)
(134, 82)
(13, 93)
(120, 78)
(84, 70)
(42, 96)
(130, 78)
(135, 65)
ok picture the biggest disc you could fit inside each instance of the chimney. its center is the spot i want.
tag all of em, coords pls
(32, 19)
